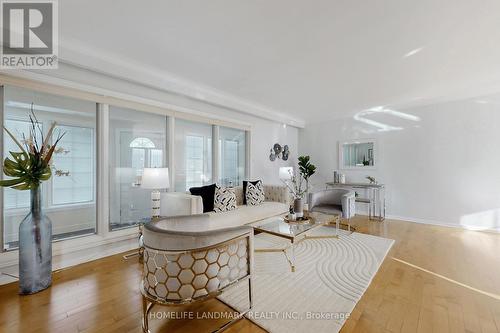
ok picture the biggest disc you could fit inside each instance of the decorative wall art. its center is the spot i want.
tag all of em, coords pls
(279, 152)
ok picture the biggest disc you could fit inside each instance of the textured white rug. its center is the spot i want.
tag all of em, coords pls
(331, 276)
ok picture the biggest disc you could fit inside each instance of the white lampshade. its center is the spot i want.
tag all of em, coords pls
(286, 173)
(155, 178)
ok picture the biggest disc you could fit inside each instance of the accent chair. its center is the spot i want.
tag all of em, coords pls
(187, 266)
(340, 202)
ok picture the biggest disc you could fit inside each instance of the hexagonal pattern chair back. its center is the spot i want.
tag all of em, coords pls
(183, 266)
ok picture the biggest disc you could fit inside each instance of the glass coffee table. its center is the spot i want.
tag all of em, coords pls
(293, 231)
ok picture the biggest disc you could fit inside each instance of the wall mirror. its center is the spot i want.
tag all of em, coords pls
(358, 154)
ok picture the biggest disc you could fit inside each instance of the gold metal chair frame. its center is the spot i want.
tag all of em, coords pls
(148, 300)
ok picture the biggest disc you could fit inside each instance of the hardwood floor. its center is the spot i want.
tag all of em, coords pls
(434, 279)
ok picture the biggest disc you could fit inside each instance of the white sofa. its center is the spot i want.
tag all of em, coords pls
(277, 201)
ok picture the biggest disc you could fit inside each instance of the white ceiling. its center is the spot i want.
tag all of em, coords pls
(308, 60)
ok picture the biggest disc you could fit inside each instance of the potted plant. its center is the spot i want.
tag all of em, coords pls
(27, 169)
(298, 184)
(306, 169)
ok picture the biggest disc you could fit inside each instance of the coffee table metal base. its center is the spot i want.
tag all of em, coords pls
(290, 257)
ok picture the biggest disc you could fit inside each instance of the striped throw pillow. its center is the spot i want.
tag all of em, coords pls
(255, 194)
(224, 200)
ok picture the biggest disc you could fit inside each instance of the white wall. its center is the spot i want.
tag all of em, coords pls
(441, 166)
(265, 133)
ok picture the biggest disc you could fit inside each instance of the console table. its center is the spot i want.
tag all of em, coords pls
(375, 199)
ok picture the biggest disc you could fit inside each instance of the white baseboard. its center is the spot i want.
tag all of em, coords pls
(440, 223)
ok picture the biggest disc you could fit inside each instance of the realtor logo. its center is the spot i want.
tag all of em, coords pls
(29, 36)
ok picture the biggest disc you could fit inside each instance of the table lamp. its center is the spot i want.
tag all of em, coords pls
(155, 179)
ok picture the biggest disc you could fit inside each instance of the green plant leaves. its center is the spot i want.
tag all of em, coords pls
(27, 170)
(306, 168)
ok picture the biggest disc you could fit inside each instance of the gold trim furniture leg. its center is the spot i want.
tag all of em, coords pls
(146, 308)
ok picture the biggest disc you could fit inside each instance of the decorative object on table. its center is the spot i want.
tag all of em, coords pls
(335, 176)
(28, 169)
(298, 207)
(371, 179)
(279, 152)
(224, 199)
(342, 178)
(255, 194)
(291, 214)
(207, 194)
(298, 220)
(155, 179)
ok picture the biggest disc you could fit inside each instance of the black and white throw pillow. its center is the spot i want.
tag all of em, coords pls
(255, 194)
(225, 199)
(245, 183)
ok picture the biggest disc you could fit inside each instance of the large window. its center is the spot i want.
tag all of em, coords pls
(193, 154)
(68, 198)
(137, 140)
(232, 156)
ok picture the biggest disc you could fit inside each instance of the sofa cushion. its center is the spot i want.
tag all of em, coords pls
(224, 200)
(247, 214)
(255, 194)
(207, 194)
(245, 182)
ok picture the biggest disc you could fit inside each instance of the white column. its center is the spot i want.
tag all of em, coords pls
(102, 169)
(171, 151)
(248, 152)
(215, 154)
